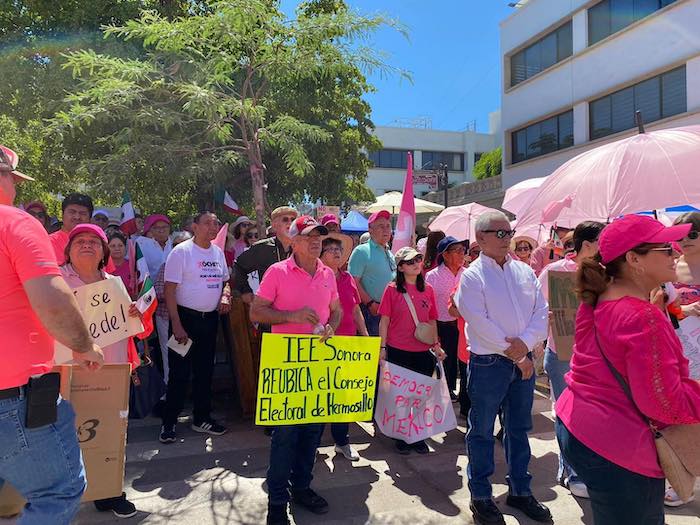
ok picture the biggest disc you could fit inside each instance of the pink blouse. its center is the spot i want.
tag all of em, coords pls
(641, 344)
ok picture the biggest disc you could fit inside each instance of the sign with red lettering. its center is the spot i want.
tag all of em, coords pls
(412, 406)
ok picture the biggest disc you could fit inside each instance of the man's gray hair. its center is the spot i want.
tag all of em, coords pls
(181, 236)
(483, 222)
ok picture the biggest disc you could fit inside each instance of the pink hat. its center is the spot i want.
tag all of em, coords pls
(379, 215)
(8, 162)
(304, 225)
(88, 228)
(35, 204)
(330, 218)
(630, 231)
(152, 219)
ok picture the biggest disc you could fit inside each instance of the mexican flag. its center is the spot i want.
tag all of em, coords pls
(128, 222)
(229, 204)
(146, 301)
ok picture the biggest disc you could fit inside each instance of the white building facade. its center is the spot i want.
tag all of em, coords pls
(575, 72)
(458, 149)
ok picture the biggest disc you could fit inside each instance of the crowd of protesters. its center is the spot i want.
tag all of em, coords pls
(483, 303)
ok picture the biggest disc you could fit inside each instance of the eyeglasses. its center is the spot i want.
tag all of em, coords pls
(523, 249)
(501, 234)
(417, 259)
(287, 218)
(666, 250)
(252, 235)
(693, 235)
(337, 249)
(457, 249)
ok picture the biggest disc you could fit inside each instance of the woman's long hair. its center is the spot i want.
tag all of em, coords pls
(400, 281)
(431, 248)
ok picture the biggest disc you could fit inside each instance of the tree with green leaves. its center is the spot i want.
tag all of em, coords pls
(237, 88)
(489, 165)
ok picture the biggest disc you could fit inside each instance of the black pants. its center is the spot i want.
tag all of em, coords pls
(448, 332)
(463, 396)
(199, 363)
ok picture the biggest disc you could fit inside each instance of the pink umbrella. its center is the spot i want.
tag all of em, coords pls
(459, 221)
(519, 196)
(645, 172)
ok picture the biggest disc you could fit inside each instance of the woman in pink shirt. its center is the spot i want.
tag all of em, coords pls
(396, 327)
(601, 432)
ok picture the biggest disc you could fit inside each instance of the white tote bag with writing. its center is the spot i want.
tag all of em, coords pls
(412, 406)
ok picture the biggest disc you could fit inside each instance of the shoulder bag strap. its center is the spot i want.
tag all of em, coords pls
(412, 308)
(621, 380)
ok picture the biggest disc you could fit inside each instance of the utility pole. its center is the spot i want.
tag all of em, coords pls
(444, 172)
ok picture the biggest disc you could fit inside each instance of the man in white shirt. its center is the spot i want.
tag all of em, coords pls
(196, 292)
(506, 315)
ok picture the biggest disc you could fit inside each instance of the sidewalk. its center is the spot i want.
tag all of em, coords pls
(210, 480)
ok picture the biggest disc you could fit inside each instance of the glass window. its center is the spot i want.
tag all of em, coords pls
(610, 16)
(647, 99)
(433, 159)
(658, 97)
(543, 137)
(547, 51)
(477, 157)
(674, 98)
(389, 158)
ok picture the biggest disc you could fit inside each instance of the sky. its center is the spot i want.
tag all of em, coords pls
(452, 53)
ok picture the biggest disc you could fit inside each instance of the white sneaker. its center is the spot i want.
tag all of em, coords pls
(578, 489)
(349, 452)
(671, 499)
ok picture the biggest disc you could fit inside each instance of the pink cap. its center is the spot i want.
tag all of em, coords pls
(152, 219)
(330, 218)
(304, 225)
(632, 230)
(35, 204)
(88, 228)
(379, 215)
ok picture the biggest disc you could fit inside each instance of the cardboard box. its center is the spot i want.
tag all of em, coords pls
(101, 403)
(563, 304)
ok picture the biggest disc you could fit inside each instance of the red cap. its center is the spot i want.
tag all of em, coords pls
(35, 204)
(88, 228)
(8, 162)
(630, 231)
(304, 225)
(152, 219)
(379, 215)
(330, 218)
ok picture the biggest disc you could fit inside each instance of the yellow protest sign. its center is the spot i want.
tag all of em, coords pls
(305, 381)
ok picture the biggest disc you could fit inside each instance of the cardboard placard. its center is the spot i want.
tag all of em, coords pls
(105, 308)
(563, 304)
(689, 334)
(305, 381)
(101, 403)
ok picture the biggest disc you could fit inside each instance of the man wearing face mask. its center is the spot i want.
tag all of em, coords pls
(263, 254)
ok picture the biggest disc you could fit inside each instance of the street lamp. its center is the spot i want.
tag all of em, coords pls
(444, 171)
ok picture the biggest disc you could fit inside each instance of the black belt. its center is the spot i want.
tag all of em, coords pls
(10, 393)
(197, 313)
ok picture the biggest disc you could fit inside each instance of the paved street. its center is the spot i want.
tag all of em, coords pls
(220, 480)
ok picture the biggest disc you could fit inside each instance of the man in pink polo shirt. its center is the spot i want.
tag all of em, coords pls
(297, 296)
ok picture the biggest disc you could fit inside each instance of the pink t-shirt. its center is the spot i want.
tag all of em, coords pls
(567, 264)
(349, 298)
(25, 254)
(401, 325)
(290, 288)
(641, 344)
(443, 282)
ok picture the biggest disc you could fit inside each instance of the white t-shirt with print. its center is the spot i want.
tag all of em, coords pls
(200, 275)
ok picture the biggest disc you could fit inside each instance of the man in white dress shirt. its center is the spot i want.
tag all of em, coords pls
(506, 315)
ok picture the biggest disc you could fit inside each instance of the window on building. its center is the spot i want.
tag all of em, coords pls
(658, 97)
(433, 159)
(477, 157)
(610, 16)
(389, 158)
(543, 137)
(547, 51)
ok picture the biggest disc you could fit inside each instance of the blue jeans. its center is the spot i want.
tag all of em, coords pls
(618, 496)
(556, 370)
(495, 381)
(292, 456)
(372, 321)
(44, 464)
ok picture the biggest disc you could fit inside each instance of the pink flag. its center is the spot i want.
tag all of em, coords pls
(220, 239)
(406, 223)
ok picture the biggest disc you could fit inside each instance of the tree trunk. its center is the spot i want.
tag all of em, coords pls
(257, 176)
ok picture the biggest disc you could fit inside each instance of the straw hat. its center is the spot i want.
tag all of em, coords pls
(347, 243)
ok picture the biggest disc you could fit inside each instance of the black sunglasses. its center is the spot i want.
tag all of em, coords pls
(693, 235)
(666, 250)
(415, 260)
(501, 234)
(251, 235)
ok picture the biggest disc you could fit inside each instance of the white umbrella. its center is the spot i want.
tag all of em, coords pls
(459, 221)
(519, 196)
(391, 202)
